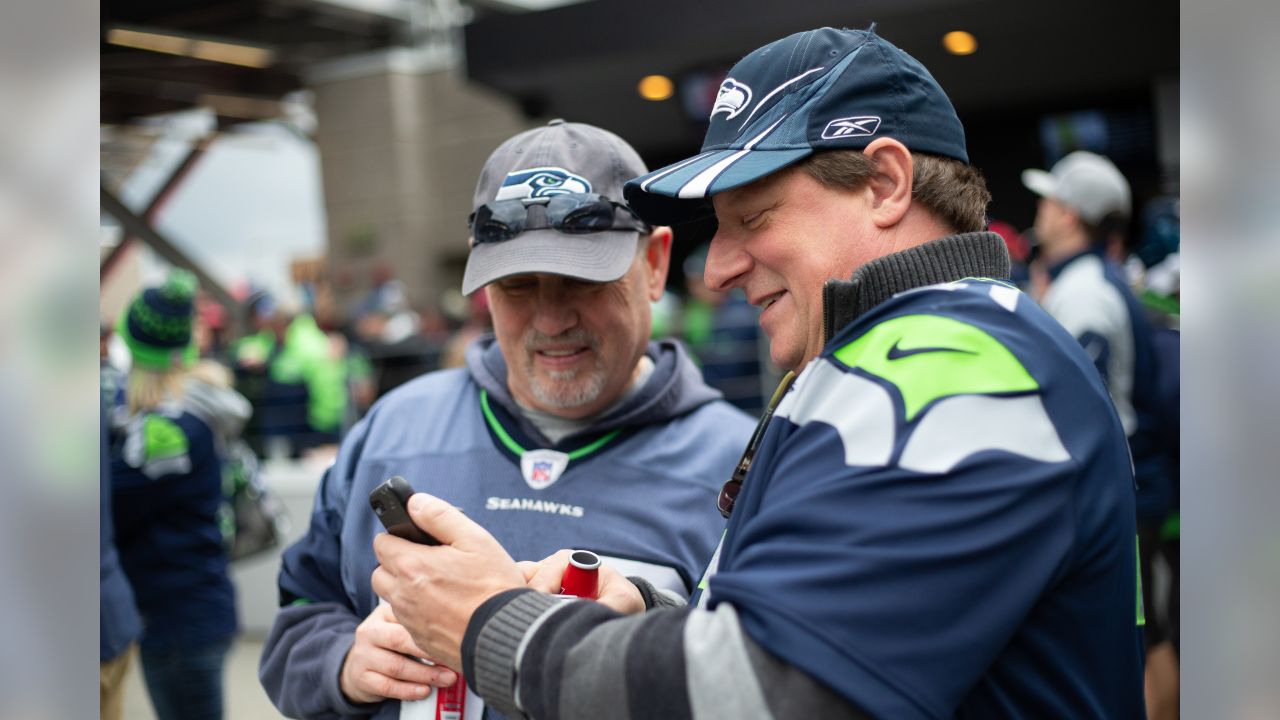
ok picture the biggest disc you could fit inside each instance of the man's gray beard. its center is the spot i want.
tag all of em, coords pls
(561, 391)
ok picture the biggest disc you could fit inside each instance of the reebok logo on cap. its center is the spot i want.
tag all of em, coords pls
(851, 127)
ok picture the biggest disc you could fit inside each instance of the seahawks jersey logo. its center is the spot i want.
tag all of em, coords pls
(959, 391)
(732, 98)
(541, 182)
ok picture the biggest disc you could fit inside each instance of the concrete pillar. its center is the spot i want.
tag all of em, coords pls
(402, 138)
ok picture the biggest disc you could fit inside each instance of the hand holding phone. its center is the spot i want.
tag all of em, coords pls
(390, 502)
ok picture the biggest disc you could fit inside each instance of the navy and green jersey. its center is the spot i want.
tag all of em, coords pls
(166, 479)
(940, 519)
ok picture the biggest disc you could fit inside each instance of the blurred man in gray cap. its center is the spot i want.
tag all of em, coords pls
(568, 429)
(1084, 202)
(1084, 199)
(937, 520)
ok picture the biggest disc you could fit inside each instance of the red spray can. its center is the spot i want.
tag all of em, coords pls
(581, 578)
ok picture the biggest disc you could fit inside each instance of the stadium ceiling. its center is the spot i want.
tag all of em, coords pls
(239, 57)
(582, 60)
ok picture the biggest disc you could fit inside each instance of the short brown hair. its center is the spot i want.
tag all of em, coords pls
(955, 192)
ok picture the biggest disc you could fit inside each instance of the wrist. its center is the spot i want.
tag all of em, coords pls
(346, 684)
(348, 699)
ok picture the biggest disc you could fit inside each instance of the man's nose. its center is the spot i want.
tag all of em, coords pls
(555, 310)
(726, 263)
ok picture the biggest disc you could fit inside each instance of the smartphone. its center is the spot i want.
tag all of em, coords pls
(390, 502)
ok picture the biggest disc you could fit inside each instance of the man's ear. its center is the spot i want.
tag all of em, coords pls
(890, 185)
(657, 257)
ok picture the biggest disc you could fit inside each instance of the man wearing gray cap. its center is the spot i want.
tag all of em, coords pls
(1082, 199)
(567, 429)
(937, 520)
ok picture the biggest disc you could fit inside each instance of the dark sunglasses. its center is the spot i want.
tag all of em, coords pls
(729, 491)
(573, 213)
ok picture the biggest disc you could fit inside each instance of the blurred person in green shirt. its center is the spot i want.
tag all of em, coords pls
(294, 373)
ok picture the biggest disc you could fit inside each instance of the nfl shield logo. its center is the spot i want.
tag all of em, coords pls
(541, 474)
(541, 468)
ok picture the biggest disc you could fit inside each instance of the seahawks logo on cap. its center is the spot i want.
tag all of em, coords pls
(541, 182)
(732, 99)
(851, 127)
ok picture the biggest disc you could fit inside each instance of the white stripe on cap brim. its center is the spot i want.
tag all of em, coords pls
(697, 187)
(658, 175)
(754, 166)
(748, 168)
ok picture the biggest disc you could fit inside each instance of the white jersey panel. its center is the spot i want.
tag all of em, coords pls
(1084, 302)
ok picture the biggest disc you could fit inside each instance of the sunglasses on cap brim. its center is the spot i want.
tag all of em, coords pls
(571, 213)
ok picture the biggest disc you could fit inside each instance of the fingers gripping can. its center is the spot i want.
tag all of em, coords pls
(451, 701)
(444, 704)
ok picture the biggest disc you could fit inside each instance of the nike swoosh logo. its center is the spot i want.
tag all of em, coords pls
(896, 353)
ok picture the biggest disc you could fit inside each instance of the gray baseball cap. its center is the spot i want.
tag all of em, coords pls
(1087, 183)
(561, 157)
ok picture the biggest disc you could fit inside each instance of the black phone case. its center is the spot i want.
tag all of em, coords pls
(390, 501)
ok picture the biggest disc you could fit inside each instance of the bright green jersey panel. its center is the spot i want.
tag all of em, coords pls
(162, 438)
(929, 357)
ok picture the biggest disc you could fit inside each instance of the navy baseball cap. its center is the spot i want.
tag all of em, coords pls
(823, 89)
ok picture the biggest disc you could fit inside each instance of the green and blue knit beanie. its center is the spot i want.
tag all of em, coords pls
(157, 324)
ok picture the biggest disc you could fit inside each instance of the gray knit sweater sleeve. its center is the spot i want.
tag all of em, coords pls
(532, 655)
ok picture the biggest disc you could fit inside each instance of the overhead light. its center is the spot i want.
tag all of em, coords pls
(655, 87)
(959, 42)
(211, 50)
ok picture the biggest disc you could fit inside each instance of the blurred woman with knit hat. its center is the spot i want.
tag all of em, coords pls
(167, 492)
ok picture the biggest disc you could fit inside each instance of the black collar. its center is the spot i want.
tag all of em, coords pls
(947, 259)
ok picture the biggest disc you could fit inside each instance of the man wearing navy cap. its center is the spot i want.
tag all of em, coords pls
(937, 520)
